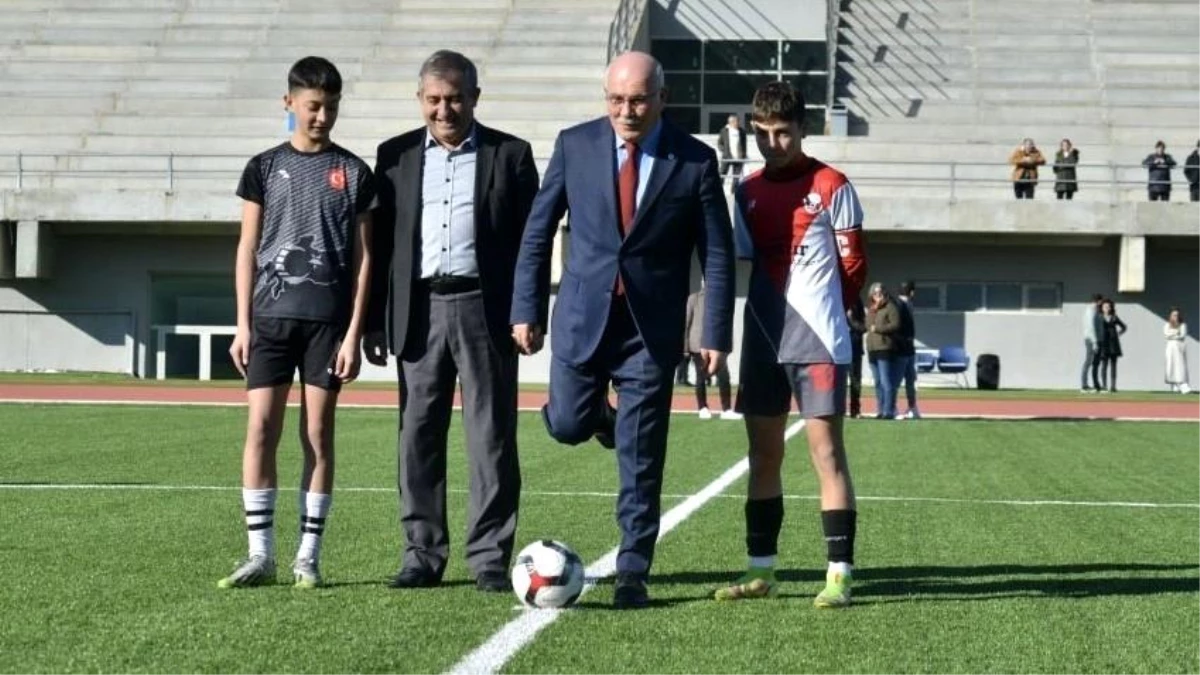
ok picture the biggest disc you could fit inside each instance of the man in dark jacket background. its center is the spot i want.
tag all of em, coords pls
(1159, 163)
(1191, 171)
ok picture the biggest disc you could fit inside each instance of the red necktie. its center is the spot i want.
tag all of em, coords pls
(627, 187)
(627, 182)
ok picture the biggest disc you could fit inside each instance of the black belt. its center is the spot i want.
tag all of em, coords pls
(445, 284)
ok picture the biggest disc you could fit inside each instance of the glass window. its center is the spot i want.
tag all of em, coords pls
(927, 297)
(964, 297)
(1042, 297)
(685, 117)
(733, 89)
(741, 55)
(805, 56)
(811, 87)
(814, 122)
(683, 88)
(677, 54)
(1004, 297)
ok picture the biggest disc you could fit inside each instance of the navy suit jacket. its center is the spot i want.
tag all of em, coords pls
(683, 211)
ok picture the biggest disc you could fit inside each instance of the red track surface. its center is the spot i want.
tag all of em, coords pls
(1091, 408)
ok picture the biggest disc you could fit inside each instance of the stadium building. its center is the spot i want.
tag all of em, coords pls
(129, 123)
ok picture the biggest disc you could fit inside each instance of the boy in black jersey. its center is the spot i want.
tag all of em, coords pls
(302, 280)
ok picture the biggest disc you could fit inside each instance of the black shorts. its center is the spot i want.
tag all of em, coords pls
(279, 346)
(766, 387)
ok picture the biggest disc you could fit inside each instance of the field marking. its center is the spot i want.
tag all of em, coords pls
(392, 406)
(491, 656)
(569, 494)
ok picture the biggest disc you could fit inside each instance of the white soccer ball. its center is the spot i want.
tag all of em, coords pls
(547, 574)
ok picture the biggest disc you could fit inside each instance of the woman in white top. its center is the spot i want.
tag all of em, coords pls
(1175, 331)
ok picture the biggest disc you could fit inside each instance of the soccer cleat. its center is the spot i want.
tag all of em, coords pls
(257, 570)
(306, 574)
(836, 593)
(758, 582)
(705, 414)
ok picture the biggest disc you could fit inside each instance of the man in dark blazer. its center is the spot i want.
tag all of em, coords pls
(453, 199)
(643, 198)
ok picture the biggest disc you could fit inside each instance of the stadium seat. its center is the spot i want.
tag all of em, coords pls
(926, 360)
(954, 361)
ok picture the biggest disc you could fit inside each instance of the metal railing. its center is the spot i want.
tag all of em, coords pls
(622, 32)
(174, 172)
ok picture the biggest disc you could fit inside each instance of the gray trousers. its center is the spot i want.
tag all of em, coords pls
(448, 341)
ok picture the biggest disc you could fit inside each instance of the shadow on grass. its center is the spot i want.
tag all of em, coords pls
(977, 582)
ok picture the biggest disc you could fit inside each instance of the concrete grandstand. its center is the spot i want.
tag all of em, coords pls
(130, 121)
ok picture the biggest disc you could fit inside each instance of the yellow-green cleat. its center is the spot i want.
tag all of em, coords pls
(836, 593)
(306, 575)
(758, 582)
(254, 571)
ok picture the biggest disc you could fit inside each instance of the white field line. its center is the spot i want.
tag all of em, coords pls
(587, 494)
(390, 406)
(491, 656)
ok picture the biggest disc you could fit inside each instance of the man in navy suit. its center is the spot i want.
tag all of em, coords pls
(644, 197)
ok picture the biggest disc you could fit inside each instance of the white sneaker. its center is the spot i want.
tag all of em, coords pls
(913, 414)
(731, 415)
(705, 414)
(1185, 388)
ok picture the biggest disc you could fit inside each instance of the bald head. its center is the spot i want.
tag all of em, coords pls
(635, 94)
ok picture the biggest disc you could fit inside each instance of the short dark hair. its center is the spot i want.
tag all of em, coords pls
(314, 72)
(444, 62)
(1160, 144)
(907, 288)
(778, 101)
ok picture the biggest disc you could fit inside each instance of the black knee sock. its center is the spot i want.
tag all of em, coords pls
(764, 518)
(839, 529)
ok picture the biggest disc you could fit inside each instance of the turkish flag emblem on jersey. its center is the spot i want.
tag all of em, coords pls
(337, 179)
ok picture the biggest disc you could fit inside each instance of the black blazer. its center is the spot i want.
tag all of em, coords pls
(506, 181)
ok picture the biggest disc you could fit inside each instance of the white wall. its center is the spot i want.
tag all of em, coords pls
(1046, 350)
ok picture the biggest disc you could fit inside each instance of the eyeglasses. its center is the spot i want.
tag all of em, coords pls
(635, 102)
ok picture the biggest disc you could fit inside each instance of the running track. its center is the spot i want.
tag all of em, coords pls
(1097, 407)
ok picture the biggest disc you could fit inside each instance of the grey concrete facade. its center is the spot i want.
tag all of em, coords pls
(110, 284)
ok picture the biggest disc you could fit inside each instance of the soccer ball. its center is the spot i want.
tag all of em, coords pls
(547, 574)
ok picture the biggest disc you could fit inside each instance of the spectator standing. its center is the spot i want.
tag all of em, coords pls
(883, 328)
(731, 142)
(856, 317)
(1025, 160)
(1109, 348)
(1191, 171)
(1175, 331)
(1091, 336)
(1159, 164)
(906, 349)
(1064, 170)
(695, 338)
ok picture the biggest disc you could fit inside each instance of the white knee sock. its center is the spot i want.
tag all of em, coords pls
(314, 508)
(260, 521)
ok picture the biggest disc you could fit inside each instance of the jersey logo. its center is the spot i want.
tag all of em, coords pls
(296, 263)
(337, 179)
(283, 173)
(822, 376)
(812, 204)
